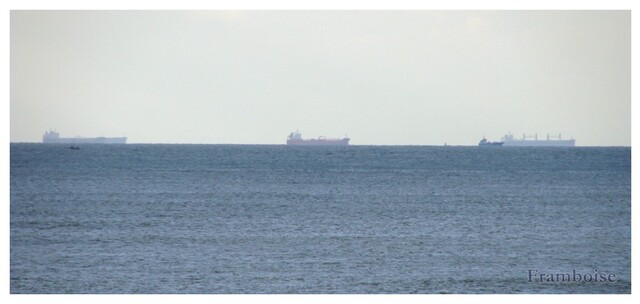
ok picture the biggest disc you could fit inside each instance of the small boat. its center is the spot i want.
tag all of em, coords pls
(74, 148)
(485, 143)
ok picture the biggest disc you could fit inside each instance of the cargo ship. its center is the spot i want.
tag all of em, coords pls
(533, 141)
(53, 137)
(295, 139)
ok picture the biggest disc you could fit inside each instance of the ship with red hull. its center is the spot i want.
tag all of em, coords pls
(295, 139)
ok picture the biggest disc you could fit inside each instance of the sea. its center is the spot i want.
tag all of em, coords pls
(276, 219)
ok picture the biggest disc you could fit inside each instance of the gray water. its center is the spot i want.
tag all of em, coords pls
(278, 219)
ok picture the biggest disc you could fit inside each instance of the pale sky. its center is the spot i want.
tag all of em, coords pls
(380, 77)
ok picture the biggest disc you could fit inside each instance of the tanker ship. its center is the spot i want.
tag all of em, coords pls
(295, 139)
(533, 141)
(53, 137)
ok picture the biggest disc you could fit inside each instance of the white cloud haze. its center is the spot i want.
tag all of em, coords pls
(382, 77)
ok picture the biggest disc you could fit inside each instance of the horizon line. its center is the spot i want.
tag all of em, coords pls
(284, 144)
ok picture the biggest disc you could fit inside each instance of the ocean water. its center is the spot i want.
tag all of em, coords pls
(360, 219)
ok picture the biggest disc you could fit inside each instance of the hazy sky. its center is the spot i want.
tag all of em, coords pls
(380, 77)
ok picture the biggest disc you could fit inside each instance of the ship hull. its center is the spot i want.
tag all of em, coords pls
(540, 143)
(491, 144)
(83, 140)
(317, 142)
